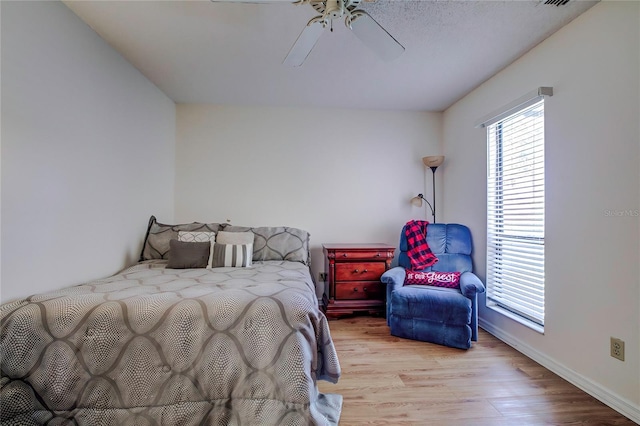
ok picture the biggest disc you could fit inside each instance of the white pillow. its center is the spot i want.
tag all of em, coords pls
(198, 237)
(226, 237)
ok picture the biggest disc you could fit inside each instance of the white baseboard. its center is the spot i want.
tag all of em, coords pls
(621, 405)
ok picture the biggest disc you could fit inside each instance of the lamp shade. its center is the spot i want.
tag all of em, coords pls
(433, 160)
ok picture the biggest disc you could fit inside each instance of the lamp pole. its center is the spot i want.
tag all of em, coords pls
(433, 170)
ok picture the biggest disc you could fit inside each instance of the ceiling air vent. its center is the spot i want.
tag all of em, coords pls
(556, 2)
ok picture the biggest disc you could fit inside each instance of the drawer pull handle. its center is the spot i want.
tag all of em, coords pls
(356, 271)
(344, 254)
(355, 289)
(365, 289)
(365, 271)
(377, 254)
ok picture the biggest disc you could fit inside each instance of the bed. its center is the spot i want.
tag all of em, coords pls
(158, 345)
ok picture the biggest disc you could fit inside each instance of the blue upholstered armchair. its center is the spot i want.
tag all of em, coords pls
(446, 316)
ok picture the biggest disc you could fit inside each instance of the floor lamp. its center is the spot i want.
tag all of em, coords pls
(433, 162)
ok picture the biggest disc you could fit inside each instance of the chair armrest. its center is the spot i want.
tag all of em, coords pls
(470, 284)
(394, 277)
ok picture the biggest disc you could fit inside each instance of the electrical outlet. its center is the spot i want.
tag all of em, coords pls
(617, 348)
(323, 276)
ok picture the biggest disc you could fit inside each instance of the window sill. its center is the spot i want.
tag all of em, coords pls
(524, 321)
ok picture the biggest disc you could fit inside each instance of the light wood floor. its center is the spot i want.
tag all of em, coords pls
(391, 381)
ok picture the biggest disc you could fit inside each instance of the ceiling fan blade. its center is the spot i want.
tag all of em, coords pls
(374, 36)
(303, 45)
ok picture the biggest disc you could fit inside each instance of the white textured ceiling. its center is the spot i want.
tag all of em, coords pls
(232, 53)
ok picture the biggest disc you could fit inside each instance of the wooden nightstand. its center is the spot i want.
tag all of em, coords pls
(353, 272)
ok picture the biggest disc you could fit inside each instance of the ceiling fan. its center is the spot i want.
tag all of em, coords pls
(360, 22)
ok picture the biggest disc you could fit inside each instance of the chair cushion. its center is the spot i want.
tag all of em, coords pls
(438, 304)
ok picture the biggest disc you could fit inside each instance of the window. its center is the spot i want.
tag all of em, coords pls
(515, 213)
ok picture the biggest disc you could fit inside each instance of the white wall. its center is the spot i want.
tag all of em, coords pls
(342, 175)
(592, 171)
(87, 152)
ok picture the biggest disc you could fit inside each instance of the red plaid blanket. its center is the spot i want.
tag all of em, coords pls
(419, 253)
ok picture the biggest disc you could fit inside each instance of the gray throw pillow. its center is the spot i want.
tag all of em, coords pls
(184, 255)
(274, 243)
(156, 242)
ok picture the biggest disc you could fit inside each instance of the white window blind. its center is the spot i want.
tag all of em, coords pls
(515, 212)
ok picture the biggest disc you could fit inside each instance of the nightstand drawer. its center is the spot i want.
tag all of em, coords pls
(361, 254)
(360, 290)
(359, 271)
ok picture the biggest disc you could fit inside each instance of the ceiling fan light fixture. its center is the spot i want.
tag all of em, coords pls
(334, 9)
